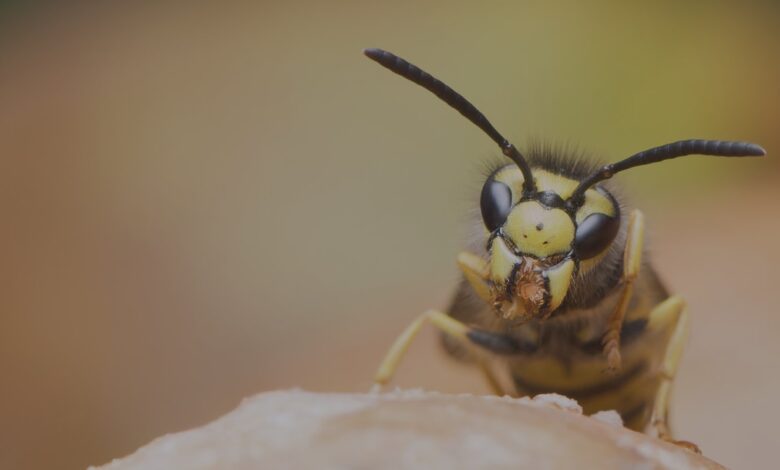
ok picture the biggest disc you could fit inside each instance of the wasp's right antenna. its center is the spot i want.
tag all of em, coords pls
(681, 148)
(454, 99)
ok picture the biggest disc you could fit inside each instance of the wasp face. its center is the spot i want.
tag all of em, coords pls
(537, 241)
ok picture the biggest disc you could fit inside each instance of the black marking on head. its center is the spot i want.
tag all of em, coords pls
(561, 160)
(549, 199)
(539, 226)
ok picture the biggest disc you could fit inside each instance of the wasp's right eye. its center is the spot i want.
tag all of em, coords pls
(496, 203)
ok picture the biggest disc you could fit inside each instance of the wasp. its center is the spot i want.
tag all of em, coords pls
(559, 288)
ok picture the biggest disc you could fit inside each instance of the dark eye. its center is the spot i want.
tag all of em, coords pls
(594, 235)
(495, 202)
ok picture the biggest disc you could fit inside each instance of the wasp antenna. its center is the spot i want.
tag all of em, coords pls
(457, 101)
(717, 148)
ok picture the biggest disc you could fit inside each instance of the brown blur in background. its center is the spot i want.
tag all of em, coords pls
(202, 201)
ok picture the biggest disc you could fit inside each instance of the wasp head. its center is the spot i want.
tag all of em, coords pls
(537, 240)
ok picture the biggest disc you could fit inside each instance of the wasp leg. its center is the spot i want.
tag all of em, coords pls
(489, 341)
(670, 314)
(470, 298)
(475, 270)
(632, 260)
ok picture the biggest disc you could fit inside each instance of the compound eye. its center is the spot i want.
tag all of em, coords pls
(495, 203)
(595, 234)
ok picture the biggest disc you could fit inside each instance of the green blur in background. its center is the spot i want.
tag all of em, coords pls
(205, 201)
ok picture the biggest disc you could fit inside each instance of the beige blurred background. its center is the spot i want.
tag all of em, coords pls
(202, 201)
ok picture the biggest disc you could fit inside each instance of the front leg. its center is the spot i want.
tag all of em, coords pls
(470, 337)
(395, 354)
(475, 271)
(632, 260)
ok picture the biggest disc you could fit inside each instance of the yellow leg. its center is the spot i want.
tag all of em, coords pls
(632, 260)
(443, 322)
(475, 270)
(669, 314)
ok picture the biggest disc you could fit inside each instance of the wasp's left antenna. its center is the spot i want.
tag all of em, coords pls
(457, 101)
(717, 148)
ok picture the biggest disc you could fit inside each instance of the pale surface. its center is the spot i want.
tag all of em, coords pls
(410, 429)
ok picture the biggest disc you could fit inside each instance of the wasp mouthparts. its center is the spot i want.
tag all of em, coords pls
(525, 293)
(530, 286)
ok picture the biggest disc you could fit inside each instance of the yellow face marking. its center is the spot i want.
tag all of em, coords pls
(595, 202)
(557, 228)
(502, 261)
(511, 176)
(559, 277)
(558, 184)
(539, 231)
(545, 181)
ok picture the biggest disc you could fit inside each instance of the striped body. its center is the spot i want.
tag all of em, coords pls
(563, 354)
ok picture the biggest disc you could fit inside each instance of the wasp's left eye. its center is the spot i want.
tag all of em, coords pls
(595, 234)
(495, 203)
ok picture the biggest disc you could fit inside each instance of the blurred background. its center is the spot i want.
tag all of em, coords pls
(201, 201)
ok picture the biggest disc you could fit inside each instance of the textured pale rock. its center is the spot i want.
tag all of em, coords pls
(409, 429)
